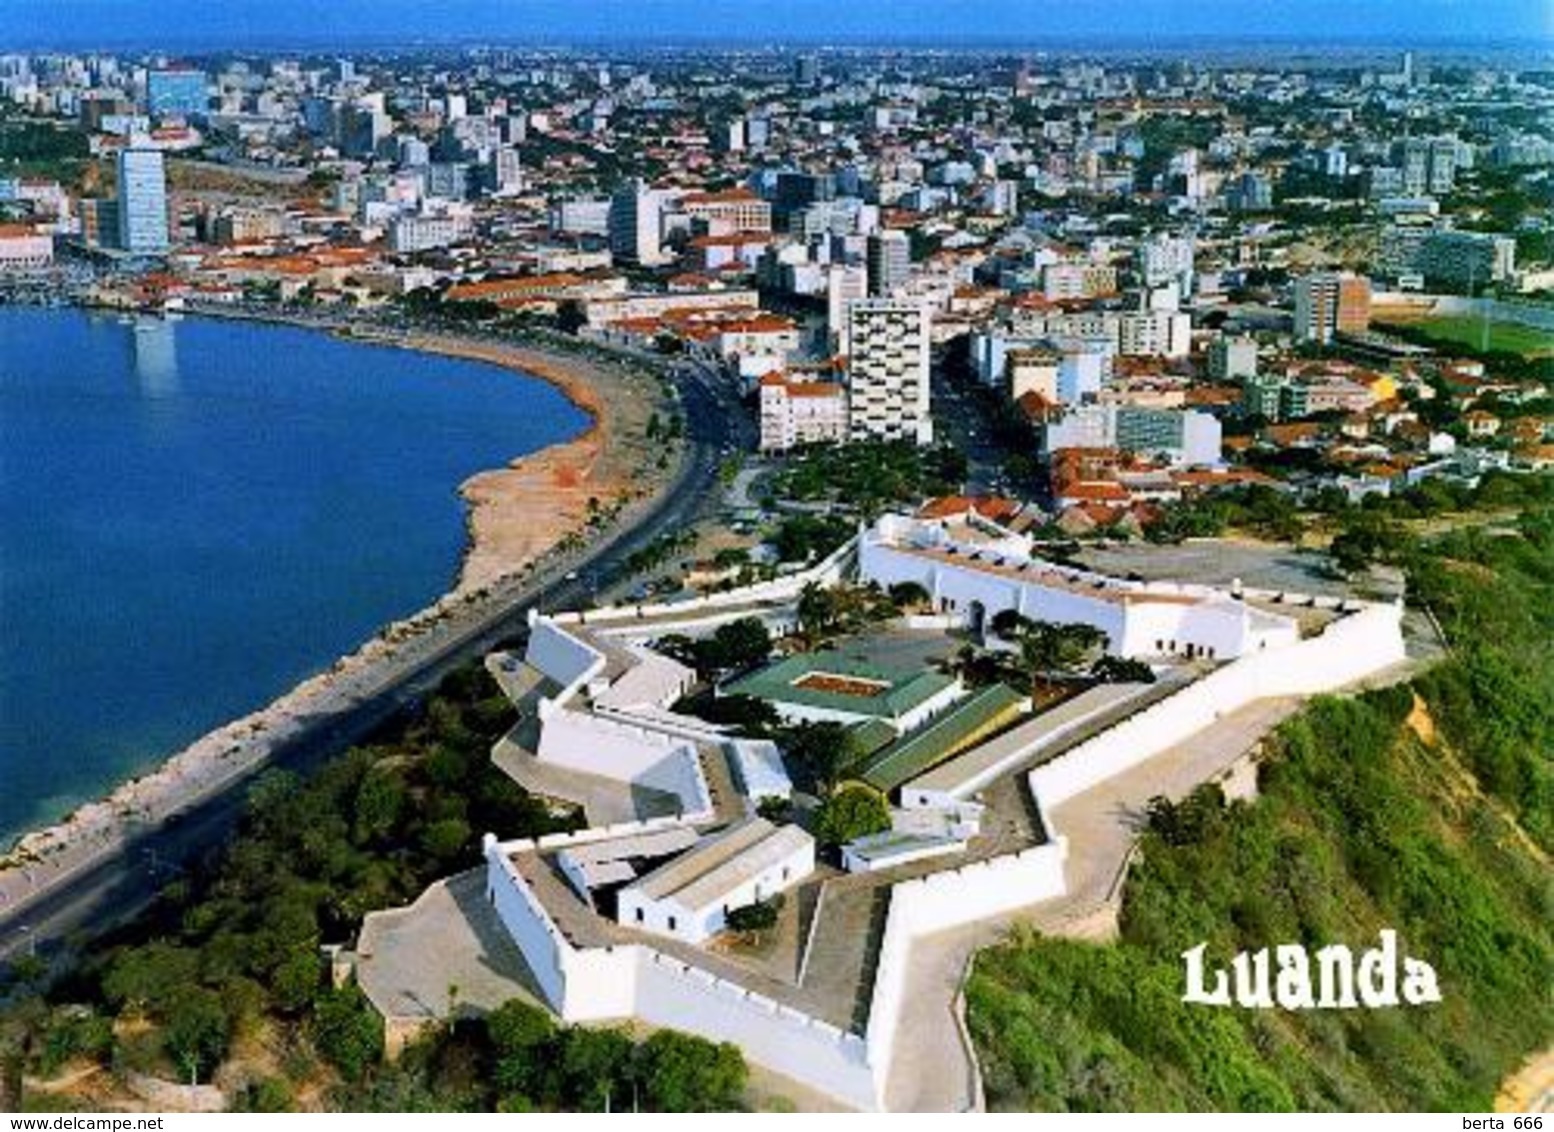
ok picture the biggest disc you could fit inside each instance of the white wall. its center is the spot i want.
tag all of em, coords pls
(527, 922)
(600, 984)
(562, 657)
(1182, 614)
(1350, 649)
(813, 1052)
(945, 900)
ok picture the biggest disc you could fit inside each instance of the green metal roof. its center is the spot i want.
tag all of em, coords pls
(966, 723)
(902, 689)
(872, 736)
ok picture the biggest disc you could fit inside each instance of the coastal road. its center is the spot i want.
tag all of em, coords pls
(115, 887)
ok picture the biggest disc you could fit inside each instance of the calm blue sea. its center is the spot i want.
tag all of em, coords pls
(195, 515)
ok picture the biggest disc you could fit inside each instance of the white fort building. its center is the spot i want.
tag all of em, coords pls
(626, 918)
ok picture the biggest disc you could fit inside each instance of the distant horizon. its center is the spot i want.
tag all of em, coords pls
(1095, 25)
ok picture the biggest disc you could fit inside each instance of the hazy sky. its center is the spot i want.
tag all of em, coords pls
(236, 23)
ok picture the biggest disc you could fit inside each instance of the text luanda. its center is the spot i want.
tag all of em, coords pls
(1287, 977)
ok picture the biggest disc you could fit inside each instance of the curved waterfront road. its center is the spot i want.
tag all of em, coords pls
(121, 883)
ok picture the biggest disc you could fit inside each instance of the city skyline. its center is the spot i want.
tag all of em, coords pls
(191, 24)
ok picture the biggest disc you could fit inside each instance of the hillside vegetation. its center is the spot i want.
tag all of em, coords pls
(1422, 808)
(223, 977)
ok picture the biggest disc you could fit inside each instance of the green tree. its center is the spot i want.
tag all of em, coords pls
(753, 919)
(447, 839)
(821, 752)
(197, 1031)
(1122, 670)
(268, 1094)
(680, 1073)
(853, 811)
(596, 1067)
(347, 1031)
(523, 1039)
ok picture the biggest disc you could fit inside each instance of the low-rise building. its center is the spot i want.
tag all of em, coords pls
(24, 249)
(794, 413)
(691, 896)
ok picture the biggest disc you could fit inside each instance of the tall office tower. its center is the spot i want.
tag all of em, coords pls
(178, 93)
(806, 70)
(886, 343)
(1327, 303)
(636, 224)
(142, 201)
(889, 257)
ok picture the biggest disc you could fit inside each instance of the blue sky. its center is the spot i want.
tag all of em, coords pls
(237, 23)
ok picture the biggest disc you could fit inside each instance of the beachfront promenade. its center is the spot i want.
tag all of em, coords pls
(105, 864)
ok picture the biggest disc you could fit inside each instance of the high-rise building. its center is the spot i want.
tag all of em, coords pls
(1327, 303)
(582, 217)
(1466, 259)
(636, 224)
(142, 201)
(178, 93)
(886, 344)
(734, 210)
(1443, 165)
(362, 125)
(889, 256)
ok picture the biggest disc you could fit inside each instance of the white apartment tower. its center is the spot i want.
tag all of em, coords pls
(886, 343)
(142, 202)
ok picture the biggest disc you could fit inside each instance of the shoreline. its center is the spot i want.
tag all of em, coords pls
(515, 516)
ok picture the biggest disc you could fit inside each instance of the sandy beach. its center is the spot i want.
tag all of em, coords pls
(518, 512)
(516, 515)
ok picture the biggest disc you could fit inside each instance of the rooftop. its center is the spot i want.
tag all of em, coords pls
(963, 725)
(703, 876)
(833, 682)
